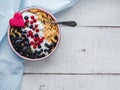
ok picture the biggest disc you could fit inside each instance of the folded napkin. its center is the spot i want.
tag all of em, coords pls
(11, 66)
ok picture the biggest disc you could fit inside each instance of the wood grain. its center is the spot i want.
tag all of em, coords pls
(88, 57)
(83, 50)
(68, 82)
(93, 13)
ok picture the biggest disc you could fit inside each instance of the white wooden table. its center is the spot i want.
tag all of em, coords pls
(88, 57)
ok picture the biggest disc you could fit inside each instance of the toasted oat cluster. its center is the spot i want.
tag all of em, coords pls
(36, 38)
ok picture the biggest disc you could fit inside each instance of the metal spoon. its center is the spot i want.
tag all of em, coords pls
(67, 23)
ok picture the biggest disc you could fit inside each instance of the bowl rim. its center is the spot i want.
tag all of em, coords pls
(38, 59)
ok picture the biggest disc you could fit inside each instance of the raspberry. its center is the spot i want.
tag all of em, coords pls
(27, 21)
(28, 35)
(36, 25)
(34, 20)
(37, 43)
(30, 32)
(37, 30)
(34, 46)
(32, 36)
(33, 29)
(32, 17)
(36, 39)
(41, 40)
(31, 22)
(32, 42)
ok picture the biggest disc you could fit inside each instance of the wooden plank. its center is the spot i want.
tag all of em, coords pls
(93, 13)
(82, 50)
(69, 82)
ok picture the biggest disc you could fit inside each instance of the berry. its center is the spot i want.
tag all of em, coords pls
(49, 51)
(28, 35)
(27, 21)
(32, 17)
(36, 25)
(37, 43)
(37, 30)
(34, 46)
(30, 32)
(18, 42)
(33, 29)
(36, 39)
(41, 40)
(26, 43)
(39, 46)
(20, 31)
(36, 35)
(34, 20)
(45, 50)
(26, 17)
(36, 52)
(24, 49)
(43, 55)
(32, 42)
(41, 50)
(31, 22)
(25, 31)
(32, 36)
(31, 26)
(55, 43)
(47, 45)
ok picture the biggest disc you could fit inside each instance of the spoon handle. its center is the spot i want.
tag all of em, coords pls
(68, 23)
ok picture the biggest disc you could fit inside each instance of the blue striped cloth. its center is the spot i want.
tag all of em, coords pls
(11, 66)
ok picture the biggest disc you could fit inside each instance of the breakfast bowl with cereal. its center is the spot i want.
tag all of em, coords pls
(30, 36)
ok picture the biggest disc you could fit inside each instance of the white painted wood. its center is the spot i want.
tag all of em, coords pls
(52, 82)
(83, 50)
(93, 13)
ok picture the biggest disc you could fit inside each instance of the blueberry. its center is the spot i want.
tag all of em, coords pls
(11, 36)
(21, 53)
(41, 50)
(31, 26)
(39, 46)
(33, 55)
(24, 49)
(36, 52)
(26, 43)
(55, 43)
(18, 42)
(26, 17)
(49, 51)
(20, 30)
(36, 35)
(47, 45)
(25, 31)
(45, 50)
(24, 54)
(43, 55)
(51, 46)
